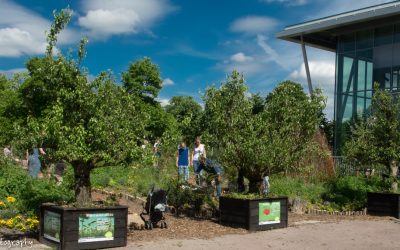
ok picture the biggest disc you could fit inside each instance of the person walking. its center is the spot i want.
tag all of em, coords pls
(198, 151)
(34, 164)
(182, 162)
(7, 151)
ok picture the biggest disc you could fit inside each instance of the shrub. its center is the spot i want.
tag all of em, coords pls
(29, 192)
(350, 192)
(292, 187)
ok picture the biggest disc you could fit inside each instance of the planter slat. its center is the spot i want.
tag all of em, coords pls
(384, 204)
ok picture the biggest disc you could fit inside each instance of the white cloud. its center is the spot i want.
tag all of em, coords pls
(15, 42)
(10, 72)
(22, 32)
(110, 22)
(167, 82)
(253, 24)
(113, 17)
(323, 76)
(287, 2)
(163, 101)
(271, 53)
(241, 57)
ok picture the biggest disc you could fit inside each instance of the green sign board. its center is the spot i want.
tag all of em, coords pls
(269, 213)
(96, 227)
(52, 225)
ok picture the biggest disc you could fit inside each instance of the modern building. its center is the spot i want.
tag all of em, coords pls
(367, 47)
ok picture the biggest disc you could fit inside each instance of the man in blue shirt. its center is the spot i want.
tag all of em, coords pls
(212, 167)
(182, 162)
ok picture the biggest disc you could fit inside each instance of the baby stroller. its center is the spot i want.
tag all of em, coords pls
(154, 209)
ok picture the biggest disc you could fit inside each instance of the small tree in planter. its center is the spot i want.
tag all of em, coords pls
(261, 137)
(258, 138)
(376, 140)
(87, 123)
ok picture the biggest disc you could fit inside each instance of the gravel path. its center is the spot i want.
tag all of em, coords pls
(354, 234)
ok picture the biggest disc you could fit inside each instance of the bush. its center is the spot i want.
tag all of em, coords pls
(311, 191)
(350, 192)
(181, 196)
(113, 176)
(31, 193)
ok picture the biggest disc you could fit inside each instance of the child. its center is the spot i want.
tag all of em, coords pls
(182, 162)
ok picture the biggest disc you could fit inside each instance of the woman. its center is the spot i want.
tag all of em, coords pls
(199, 150)
(34, 163)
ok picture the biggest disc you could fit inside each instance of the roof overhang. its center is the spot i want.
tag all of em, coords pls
(322, 33)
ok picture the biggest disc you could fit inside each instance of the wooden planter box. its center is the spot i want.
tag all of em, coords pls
(254, 215)
(83, 228)
(384, 204)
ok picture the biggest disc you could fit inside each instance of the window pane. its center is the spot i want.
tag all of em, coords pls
(396, 54)
(364, 39)
(348, 74)
(383, 35)
(361, 74)
(369, 76)
(360, 106)
(347, 43)
(383, 65)
(397, 33)
(395, 78)
(348, 109)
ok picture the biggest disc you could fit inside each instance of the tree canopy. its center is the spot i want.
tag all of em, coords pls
(188, 114)
(259, 138)
(376, 139)
(143, 79)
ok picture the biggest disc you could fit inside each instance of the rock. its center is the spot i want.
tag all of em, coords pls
(299, 206)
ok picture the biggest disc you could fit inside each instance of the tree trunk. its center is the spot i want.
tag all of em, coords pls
(82, 184)
(393, 169)
(240, 182)
(255, 186)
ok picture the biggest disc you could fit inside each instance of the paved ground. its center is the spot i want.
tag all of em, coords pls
(355, 234)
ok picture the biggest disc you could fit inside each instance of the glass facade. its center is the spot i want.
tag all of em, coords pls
(364, 57)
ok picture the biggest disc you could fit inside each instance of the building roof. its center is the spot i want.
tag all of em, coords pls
(322, 33)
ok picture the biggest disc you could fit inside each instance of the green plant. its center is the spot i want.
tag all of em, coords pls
(376, 140)
(350, 192)
(261, 137)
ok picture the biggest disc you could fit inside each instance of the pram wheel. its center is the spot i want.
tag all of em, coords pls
(148, 225)
(163, 224)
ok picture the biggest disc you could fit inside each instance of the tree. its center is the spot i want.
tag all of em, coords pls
(187, 113)
(376, 139)
(143, 79)
(257, 138)
(89, 124)
(294, 119)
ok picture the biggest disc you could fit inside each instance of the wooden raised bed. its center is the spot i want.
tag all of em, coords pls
(83, 228)
(384, 204)
(254, 215)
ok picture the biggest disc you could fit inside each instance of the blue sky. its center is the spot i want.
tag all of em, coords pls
(196, 43)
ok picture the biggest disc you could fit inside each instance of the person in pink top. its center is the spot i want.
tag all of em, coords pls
(198, 151)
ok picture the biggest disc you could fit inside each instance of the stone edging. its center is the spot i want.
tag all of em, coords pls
(344, 213)
(121, 195)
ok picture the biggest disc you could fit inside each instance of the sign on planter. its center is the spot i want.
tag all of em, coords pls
(96, 227)
(269, 213)
(51, 229)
